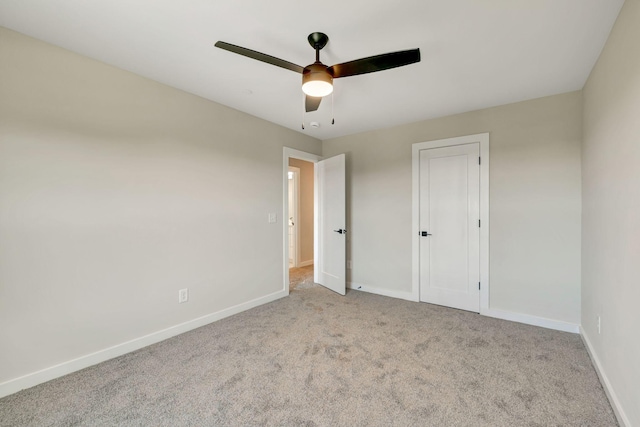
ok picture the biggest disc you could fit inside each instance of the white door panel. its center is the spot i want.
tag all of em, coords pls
(449, 212)
(331, 262)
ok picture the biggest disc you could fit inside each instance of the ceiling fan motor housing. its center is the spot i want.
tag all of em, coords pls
(317, 80)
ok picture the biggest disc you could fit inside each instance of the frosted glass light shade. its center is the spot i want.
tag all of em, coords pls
(317, 88)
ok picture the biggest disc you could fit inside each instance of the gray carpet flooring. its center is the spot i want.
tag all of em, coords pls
(320, 359)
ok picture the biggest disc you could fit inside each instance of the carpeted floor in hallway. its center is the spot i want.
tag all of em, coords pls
(317, 358)
(301, 278)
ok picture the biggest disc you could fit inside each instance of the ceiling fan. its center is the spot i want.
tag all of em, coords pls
(317, 78)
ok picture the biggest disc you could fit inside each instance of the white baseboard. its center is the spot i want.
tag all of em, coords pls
(499, 314)
(305, 263)
(613, 398)
(528, 319)
(384, 292)
(47, 374)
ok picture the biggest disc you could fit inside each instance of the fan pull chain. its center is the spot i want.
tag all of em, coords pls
(302, 113)
(333, 116)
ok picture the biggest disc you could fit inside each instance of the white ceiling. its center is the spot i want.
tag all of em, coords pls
(475, 53)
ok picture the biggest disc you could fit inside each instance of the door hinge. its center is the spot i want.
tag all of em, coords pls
(478, 285)
(479, 161)
(478, 223)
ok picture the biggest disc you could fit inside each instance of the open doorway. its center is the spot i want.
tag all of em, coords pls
(301, 206)
(326, 251)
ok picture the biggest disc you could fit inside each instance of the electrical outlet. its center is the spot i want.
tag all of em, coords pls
(183, 295)
(349, 264)
(598, 324)
(272, 218)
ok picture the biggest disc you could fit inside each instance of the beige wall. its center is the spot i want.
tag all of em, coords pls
(534, 202)
(306, 209)
(116, 192)
(611, 212)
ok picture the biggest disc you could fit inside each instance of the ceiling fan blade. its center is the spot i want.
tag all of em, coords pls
(260, 56)
(375, 63)
(311, 103)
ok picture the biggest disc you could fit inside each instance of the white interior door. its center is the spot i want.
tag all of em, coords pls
(449, 226)
(331, 236)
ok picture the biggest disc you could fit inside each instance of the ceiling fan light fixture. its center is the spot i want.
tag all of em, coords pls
(317, 88)
(316, 81)
(317, 78)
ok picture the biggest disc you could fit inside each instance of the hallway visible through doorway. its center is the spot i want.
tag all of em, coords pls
(301, 212)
